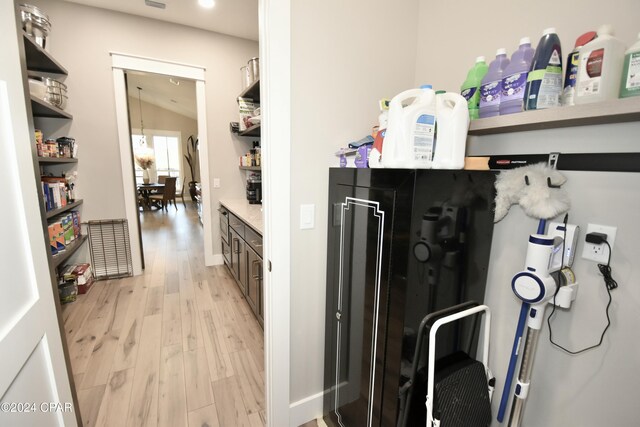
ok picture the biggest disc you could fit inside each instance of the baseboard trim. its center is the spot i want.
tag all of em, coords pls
(306, 409)
(215, 259)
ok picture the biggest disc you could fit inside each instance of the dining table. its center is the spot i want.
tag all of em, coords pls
(146, 190)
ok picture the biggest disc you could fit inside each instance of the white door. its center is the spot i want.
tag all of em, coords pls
(34, 385)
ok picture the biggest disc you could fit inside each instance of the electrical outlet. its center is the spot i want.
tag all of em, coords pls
(599, 253)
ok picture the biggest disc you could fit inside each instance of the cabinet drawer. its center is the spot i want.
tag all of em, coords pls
(254, 240)
(237, 224)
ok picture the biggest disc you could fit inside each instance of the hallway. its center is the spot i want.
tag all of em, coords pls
(176, 346)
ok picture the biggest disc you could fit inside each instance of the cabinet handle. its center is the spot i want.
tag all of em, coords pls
(253, 264)
(236, 251)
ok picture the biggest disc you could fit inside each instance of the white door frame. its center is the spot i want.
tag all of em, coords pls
(121, 63)
(275, 99)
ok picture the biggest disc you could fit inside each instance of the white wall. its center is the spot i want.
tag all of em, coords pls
(344, 57)
(598, 387)
(81, 40)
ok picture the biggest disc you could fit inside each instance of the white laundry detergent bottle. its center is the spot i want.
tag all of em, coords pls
(451, 138)
(409, 139)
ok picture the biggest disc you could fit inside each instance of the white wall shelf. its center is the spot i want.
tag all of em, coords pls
(615, 111)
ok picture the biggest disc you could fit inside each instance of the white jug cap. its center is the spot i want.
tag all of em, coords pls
(550, 30)
(426, 87)
(501, 51)
(483, 59)
(605, 29)
(525, 40)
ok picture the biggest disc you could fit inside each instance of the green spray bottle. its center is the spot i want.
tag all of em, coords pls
(470, 88)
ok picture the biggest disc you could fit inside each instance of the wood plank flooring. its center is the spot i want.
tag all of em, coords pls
(176, 346)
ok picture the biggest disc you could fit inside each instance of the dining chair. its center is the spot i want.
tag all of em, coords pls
(162, 178)
(181, 194)
(168, 195)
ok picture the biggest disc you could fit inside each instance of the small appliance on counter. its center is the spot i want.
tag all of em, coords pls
(254, 188)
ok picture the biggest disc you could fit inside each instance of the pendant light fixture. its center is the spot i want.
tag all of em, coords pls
(143, 140)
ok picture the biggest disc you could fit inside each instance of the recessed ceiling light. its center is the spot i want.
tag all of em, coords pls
(207, 3)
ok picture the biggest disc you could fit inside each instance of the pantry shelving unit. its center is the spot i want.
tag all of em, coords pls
(250, 168)
(253, 92)
(607, 112)
(35, 61)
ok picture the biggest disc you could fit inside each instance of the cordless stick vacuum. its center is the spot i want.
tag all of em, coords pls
(535, 286)
(538, 190)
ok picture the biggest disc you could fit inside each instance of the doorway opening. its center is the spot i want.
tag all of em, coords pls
(162, 113)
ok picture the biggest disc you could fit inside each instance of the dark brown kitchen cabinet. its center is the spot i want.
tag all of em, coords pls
(242, 254)
(238, 260)
(254, 282)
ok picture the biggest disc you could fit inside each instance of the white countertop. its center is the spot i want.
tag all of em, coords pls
(251, 214)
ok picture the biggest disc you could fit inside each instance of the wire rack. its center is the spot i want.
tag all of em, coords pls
(110, 248)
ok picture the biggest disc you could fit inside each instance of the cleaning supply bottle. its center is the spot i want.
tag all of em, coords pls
(452, 117)
(408, 142)
(470, 89)
(630, 83)
(569, 90)
(514, 81)
(491, 86)
(544, 82)
(600, 69)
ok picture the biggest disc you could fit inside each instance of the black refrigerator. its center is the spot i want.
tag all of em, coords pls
(401, 244)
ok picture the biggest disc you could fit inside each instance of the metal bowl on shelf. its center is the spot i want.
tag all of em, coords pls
(35, 23)
(56, 99)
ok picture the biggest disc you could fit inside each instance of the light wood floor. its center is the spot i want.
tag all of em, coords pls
(176, 346)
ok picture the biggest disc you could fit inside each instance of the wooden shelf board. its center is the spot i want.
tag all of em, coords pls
(43, 109)
(253, 91)
(57, 160)
(39, 59)
(252, 131)
(250, 168)
(614, 111)
(61, 257)
(54, 212)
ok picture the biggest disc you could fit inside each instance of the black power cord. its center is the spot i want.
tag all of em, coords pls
(609, 282)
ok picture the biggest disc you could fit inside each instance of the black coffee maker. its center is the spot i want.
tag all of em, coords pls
(254, 189)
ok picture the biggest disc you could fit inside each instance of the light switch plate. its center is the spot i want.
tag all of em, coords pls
(307, 217)
(216, 182)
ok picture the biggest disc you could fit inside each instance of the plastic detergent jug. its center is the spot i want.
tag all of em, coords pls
(630, 83)
(514, 81)
(408, 142)
(600, 68)
(571, 73)
(491, 86)
(544, 82)
(453, 122)
(470, 89)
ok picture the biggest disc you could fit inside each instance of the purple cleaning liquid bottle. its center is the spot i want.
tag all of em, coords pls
(514, 81)
(491, 87)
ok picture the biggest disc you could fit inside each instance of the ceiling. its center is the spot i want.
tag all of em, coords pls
(233, 17)
(159, 91)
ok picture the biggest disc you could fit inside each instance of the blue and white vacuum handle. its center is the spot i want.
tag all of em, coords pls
(535, 285)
